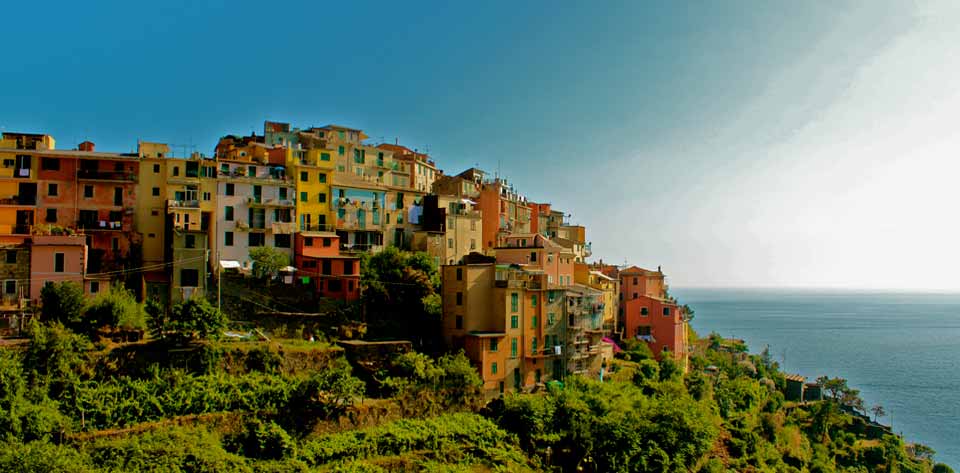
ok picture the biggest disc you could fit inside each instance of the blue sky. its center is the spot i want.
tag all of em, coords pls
(733, 143)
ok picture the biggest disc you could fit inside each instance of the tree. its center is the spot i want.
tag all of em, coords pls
(942, 468)
(688, 312)
(267, 262)
(195, 318)
(400, 294)
(62, 302)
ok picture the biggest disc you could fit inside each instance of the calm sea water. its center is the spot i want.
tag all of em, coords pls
(902, 350)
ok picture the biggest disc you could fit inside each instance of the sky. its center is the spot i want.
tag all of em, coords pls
(749, 143)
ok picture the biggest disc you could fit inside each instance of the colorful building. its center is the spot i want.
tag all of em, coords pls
(649, 314)
(609, 288)
(321, 266)
(423, 170)
(256, 200)
(62, 258)
(538, 252)
(450, 228)
(507, 320)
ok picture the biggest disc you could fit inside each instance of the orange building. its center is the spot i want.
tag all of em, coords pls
(537, 251)
(321, 266)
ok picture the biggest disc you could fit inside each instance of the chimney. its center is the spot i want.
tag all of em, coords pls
(87, 146)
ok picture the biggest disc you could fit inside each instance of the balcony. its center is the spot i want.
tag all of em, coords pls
(316, 227)
(282, 228)
(19, 200)
(98, 175)
(254, 201)
(102, 225)
(183, 204)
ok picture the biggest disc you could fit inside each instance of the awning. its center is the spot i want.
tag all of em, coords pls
(467, 201)
(229, 264)
(287, 269)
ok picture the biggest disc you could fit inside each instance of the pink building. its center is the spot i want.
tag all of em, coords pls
(536, 251)
(58, 258)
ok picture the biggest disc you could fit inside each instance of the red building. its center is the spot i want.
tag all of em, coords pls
(320, 265)
(649, 314)
(94, 192)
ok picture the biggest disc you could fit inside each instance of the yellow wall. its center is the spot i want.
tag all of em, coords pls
(313, 165)
(149, 225)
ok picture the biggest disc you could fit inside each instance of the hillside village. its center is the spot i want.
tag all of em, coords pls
(520, 295)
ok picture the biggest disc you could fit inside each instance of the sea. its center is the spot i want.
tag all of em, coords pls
(900, 349)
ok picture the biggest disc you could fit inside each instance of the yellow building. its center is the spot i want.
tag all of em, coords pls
(609, 287)
(18, 181)
(312, 172)
(174, 213)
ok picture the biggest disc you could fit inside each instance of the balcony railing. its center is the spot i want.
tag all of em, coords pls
(101, 225)
(183, 204)
(96, 174)
(282, 227)
(315, 227)
(19, 200)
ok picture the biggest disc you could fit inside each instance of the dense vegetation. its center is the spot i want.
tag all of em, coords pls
(71, 400)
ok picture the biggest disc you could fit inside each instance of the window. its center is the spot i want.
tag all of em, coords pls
(155, 213)
(50, 164)
(206, 196)
(228, 213)
(303, 197)
(493, 368)
(58, 261)
(494, 344)
(94, 287)
(229, 189)
(304, 176)
(176, 170)
(348, 268)
(51, 216)
(643, 311)
(281, 240)
(341, 151)
(551, 318)
(666, 312)
(307, 241)
(156, 169)
(635, 295)
(324, 156)
(533, 256)
(513, 347)
(155, 191)
(326, 267)
(322, 197)
(514, 321)
(11, 256)
(449, 242)
(227, 238)
(473, 243)
(533, 345)
(459, 298)
(459, 274)
(87, 191)
(533, 300)
(189, 278)
(533, 321)
(10, 286)
(255, 239)
(636, 280)
(334, 285)
(190, 241)
(53, 190)
(514, 302)
(327, 242)
(459, 322)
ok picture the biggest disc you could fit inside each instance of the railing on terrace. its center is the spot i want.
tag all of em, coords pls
(183, 204)
(106, 175)
(19, 200)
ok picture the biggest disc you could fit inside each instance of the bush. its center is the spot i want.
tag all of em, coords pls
(195, 319)
(168, 450)
(267, 440)
(115, 308)
(42, 457)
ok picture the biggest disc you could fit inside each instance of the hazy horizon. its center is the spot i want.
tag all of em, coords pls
(764, 144)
